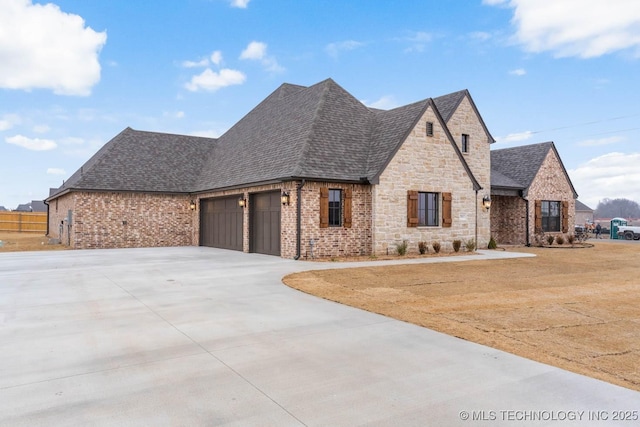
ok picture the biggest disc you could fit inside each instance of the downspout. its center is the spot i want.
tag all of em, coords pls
(476, 219)
(299, 219)
(45, 202)
(527, 222)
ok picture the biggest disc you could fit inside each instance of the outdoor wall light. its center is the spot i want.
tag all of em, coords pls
(486, 202)
(242, 202)
(284, 198)
(192, 205)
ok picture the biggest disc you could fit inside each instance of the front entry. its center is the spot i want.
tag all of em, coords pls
(265, 223)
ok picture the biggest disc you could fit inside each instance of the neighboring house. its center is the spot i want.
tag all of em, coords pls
(310, 170)
(530, 192)
(34, 206)
(584, 214)
(3, 209)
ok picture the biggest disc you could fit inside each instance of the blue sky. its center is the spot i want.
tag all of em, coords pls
(73, 73)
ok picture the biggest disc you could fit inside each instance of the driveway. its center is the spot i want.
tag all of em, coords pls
(199, 336)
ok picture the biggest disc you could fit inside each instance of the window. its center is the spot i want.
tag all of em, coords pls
(429, 128)
(550, 215)
(335, 208)
(428, 209)
(465, 143)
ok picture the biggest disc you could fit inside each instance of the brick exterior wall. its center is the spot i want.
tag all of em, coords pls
(123, 220)
(550, 184)
(430, 164)
(58, 212)
(508, 220)
(328, 242)
(508, 214)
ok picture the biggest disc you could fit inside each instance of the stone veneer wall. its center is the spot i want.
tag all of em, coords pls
(509, 219)
(328, 242)
(550, 184)
(126, 220)
(465, 120)
(429, 164)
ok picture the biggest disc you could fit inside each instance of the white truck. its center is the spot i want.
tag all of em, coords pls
(628, 232)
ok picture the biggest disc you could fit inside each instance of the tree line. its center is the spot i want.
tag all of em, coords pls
(612, 208)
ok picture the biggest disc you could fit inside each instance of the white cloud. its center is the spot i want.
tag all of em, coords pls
(8, 121)
(581, 28)
(601, 141)
(174, 114)
(195, 64)
(41, 128)
(241, 4)
(34, 144)
(257, 51)
(613, 175)
(418, 41)
(216, 57)
(43, 47)
(518, 72)
(386, 102)
(212, 81)
(56, 171)
(515, 137)
(334, 49)
(480, 36)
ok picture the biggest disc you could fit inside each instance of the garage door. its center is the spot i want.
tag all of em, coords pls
(221, 223)
(265, 223)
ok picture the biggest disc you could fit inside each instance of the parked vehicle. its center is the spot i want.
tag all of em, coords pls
(629, 232)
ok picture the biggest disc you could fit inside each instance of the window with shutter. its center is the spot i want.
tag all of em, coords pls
(446, 210)
(347, 207)
(324, 207)
(412, 208)
(538, 215)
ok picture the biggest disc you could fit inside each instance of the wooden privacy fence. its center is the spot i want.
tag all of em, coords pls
(24, 222)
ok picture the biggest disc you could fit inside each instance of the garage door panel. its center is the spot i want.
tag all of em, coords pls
(221, 223)
(265, 223)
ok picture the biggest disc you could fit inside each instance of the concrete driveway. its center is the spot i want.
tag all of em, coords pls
(199, 336)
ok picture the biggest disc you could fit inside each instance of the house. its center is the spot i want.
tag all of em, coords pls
(584, 214)
(310, 171)
(34, 206)
(531, 193)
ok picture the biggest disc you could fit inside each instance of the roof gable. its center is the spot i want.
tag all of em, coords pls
(521, 164)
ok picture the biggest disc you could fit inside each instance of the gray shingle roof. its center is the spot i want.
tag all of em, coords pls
(316, 132)
(521, 165)
(582, 207)
(447, 104)
(143, 161)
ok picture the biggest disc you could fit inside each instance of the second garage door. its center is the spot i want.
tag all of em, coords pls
(221, 223)
(264, 232)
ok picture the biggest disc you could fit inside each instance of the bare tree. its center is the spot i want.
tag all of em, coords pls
(622, 208)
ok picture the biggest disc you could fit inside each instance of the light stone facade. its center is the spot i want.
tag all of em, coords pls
(430, 164)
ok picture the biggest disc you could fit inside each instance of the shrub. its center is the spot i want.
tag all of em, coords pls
(550, 239)
(470, 245)
(571, 239)
(456, 245)
(560, 240)
(422, 247)
(401, 248)
(436, 247)
(492, 243)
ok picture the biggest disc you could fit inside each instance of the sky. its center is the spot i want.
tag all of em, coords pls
(73, 74)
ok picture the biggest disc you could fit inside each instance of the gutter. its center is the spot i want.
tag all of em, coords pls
(299, 218)
(47, 203)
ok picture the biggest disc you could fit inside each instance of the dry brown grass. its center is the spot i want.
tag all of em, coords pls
(578, 309)
(15, 242)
